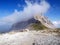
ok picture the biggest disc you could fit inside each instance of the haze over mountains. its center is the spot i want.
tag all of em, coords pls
(27, 24)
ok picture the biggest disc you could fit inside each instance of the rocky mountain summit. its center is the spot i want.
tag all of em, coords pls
(45, 21)
(38, 21)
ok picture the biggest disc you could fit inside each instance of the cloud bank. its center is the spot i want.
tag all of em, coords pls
(56, 23)
(29, 11)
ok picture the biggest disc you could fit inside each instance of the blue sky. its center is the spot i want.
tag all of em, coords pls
(17, 10)
(54, 11)
(8, 6)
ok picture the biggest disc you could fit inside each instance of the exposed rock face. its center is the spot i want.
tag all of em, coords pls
(45, 21)
(37, 18)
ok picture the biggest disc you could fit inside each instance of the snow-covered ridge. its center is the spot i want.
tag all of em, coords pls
(29, 38)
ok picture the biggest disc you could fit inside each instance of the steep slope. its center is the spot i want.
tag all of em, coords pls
(23, 24)
(45, 21)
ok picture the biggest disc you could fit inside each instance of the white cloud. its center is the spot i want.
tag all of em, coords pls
(29, 11)
(56, 23)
